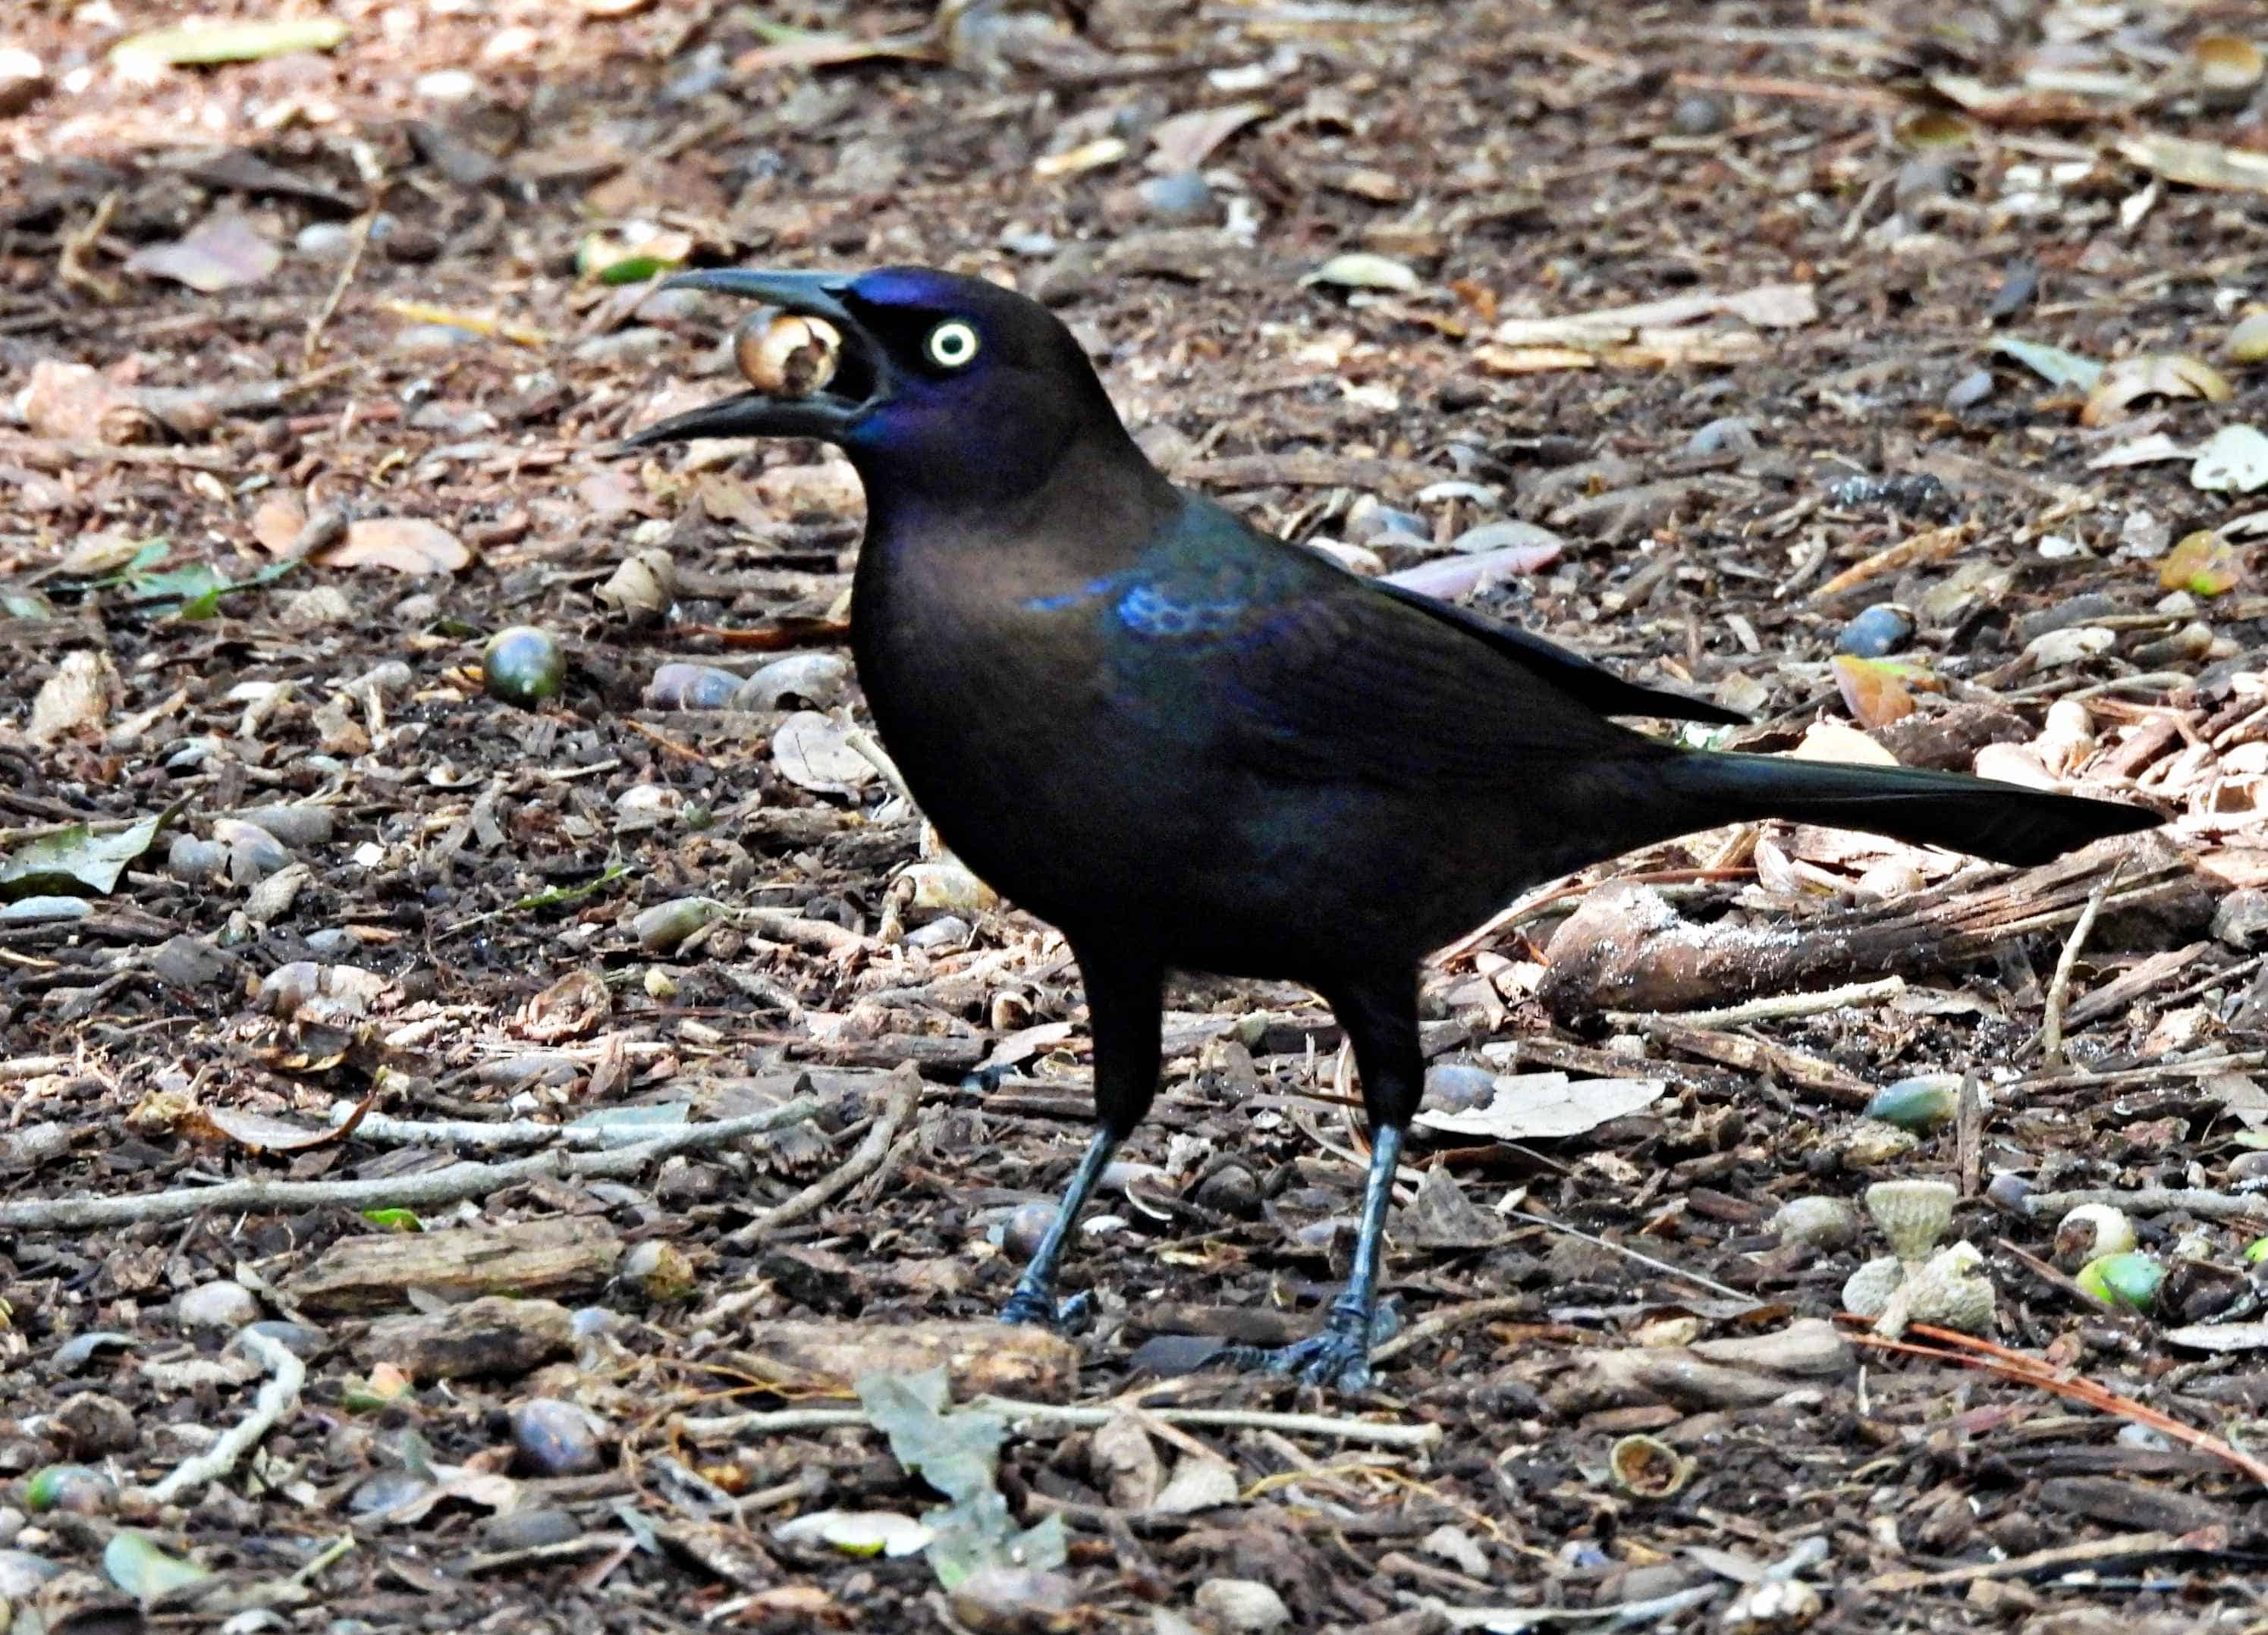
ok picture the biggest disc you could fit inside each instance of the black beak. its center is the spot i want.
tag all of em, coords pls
(860, 376)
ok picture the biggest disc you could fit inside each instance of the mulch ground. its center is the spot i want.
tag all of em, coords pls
(311, 948)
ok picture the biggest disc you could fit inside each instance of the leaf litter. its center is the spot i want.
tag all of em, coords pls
(1558, 320)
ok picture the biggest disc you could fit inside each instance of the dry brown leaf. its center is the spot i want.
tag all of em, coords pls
(80, 692)
(2152, 375)
(1832, 740)
(1874, 692)
(277, 523)
(405, 544)
(1186, 140)
(2203, 564)
(81, 404)
(223, 252)
(2198, 163)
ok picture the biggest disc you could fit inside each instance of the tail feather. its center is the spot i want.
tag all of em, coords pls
(2005, 822)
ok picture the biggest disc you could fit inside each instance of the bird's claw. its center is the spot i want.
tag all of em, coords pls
(1042, 1309)
(1337, 1359)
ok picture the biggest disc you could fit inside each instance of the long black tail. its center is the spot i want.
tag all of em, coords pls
(2003, 821)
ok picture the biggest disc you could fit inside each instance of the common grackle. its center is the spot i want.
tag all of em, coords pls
(1192, 746)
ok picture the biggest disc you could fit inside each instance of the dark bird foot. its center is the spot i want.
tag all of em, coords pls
(1042, 1309)
(1339, 1359)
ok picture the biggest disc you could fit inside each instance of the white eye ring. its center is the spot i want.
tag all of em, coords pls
(952, 344)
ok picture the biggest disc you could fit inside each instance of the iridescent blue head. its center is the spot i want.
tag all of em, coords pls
(946, 387)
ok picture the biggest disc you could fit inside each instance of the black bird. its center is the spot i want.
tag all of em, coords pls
(1189, 744)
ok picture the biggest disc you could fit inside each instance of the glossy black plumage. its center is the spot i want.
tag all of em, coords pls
(1189, 744)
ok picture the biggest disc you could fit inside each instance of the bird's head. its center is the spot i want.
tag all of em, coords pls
(944, 388)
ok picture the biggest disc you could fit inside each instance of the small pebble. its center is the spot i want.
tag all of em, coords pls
(1881, 628)
(1729, 434)
(815, 678)
(947, 930)
(217, 1304)
(530, 1530)
(253, 854)
(324, 240)
(1970, 390)
(418, 338)
(1232, 1189)
(193, 861)
(556, 1439)
(1021, 1234)
(302, 1340)
(1182, 196)
(1699, 114)
(1458, 1086)
(1503, 536)
(621, 346)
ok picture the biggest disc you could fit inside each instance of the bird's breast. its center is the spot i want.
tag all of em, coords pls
(1021, 739)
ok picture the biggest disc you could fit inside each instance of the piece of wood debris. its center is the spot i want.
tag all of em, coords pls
(567, 1257)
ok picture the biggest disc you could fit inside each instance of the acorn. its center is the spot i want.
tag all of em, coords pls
(786, 354)
(2090, 1231)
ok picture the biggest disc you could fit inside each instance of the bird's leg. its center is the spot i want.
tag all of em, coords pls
(1382, 1022)
(1034, 1299)
(1122, 1001)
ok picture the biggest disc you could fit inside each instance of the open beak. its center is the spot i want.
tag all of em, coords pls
(859, 382)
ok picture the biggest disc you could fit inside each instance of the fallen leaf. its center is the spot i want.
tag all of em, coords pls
(1359, 269)
(1185, 141)
(1873, 690)
(1546, 1107)
(1199, 1481)
(80, 692)
(2203, 564)
(79, 403)
(144, 54)
(2234, 460)
(2198, 163)
(1832, 740)
(2053, 364)
(406, 544)
(2151, 374)
(277, 522)
(223, 252)
(76, 861)
(813, 752)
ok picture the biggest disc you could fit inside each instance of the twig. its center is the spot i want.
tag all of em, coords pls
(502, 1135)
(1970, 1351)
(338, 288)
(279, 1396)
(2059, 984)
(1630, 1254)
(43, 453)
(70, 263)
(452, 1183)
(1512, 913)
(2080, 1078)
(2152, 1200)
(2126, 1546)
(904, 1090)
(1927, 547)
(1773, 1007)
(718, 1426)
(1435, 1324)
(1794, 90)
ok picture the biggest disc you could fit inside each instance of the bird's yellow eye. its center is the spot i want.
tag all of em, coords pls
(952, 344)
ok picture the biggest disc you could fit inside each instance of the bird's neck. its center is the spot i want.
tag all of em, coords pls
(1099, 502)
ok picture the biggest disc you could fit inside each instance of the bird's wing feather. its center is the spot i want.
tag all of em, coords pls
(1294, 667)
